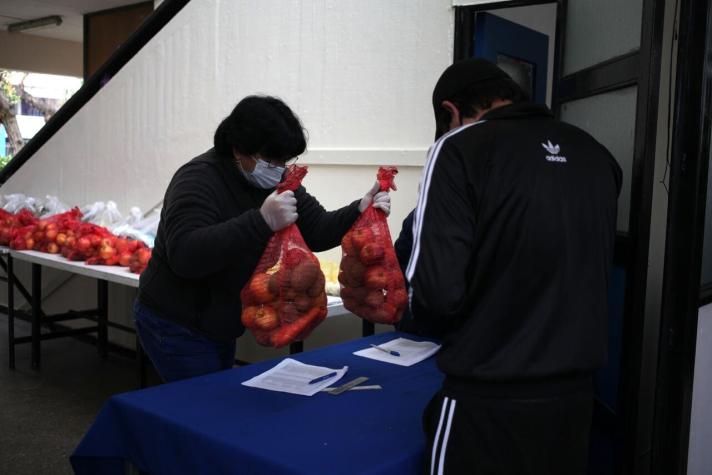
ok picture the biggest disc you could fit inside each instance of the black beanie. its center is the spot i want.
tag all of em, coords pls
(462, 74)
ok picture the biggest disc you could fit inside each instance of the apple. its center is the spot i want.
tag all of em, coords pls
(259, 288)
(375, 277)
(318, 286)
(144, 255)
(51, 234)
(374, 298)
(347, 245)
(274, 283)
(353, 271)
(19, 244)
(83, 244)
(53, 248)
(398, 298)
(386, 313)
(266, 318)
(360, 237)
(121, 245)
(304, 275)
(294, 256)
(61, 239)
(303, 303)
(248, 316)
(371, 253)
(106, 252)
(124, 258)
(288, 312)
(29, 243)
(94, 239)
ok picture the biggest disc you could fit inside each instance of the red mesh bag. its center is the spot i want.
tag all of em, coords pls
(285, 298)
(372, 283)
(139, 258)
(13, 226)
(50, 234)
(85, 242)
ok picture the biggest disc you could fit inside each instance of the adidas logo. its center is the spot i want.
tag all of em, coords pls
(554, 152)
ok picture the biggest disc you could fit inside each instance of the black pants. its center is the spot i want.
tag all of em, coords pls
(486, 435)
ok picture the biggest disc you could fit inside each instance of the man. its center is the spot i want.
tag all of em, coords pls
(513, 240)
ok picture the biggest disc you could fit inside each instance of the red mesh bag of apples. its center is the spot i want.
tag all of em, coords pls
(14, 226)
(373, 286)
(50, 234)
(285, 299)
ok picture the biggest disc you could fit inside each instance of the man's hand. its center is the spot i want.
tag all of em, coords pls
(380, 199)
(279, 210)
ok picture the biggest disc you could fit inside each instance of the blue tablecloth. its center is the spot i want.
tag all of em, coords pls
(214, 425)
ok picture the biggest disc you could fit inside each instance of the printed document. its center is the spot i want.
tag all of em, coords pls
(291, 376)
(411, 352)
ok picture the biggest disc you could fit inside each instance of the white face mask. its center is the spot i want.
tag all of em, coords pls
(264, 175)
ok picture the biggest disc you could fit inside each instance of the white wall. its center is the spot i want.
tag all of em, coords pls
(360, 75)
(700, 457)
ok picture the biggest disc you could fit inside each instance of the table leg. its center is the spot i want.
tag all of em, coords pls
(36, 314)
(368, 328)
(102, 298)
(11, 311)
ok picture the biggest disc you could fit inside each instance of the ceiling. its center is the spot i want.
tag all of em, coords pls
(71, 11)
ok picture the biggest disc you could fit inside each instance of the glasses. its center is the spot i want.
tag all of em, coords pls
(275, 162)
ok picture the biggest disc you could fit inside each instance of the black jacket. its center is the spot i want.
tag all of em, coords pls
(210, 238)
(513, 245)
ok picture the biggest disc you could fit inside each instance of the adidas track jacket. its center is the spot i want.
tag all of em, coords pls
(512, 247)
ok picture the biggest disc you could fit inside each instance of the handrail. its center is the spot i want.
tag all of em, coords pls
(138, 39)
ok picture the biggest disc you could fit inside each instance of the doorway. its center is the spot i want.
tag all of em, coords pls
(602, 66)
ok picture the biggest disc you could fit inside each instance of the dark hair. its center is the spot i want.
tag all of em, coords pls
(477, 97)
(261, 125)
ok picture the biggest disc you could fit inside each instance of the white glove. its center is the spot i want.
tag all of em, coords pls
(279, 210)
(380, 199)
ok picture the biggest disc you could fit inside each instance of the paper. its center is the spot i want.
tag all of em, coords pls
(411, 352)
(291, 376)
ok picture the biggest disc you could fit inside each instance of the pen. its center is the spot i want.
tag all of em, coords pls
(390, 352)
(323, 378)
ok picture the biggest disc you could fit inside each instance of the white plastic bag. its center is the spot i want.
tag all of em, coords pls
(52, 206)
(128, 224)
(145, 230)
(17, 201)
(91, 211)
(102, 214)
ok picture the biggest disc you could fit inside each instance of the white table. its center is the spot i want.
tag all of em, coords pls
(103, 275)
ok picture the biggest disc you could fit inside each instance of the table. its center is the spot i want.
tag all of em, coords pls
(214, 425)
(103, 275)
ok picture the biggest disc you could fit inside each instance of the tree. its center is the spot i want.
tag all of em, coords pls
(10, 95)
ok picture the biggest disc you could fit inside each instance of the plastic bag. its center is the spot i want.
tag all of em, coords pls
(16, 202)
(92, 211)
(144, 229)
(373, 286)
(284, 300)
(52, 206)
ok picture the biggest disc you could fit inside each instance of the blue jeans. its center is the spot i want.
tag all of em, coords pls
(178, 352)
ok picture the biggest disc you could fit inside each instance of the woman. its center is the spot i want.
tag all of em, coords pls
(219, 211)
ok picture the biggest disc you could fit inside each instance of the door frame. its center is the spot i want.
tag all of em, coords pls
(641, 332)
(683, 291)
